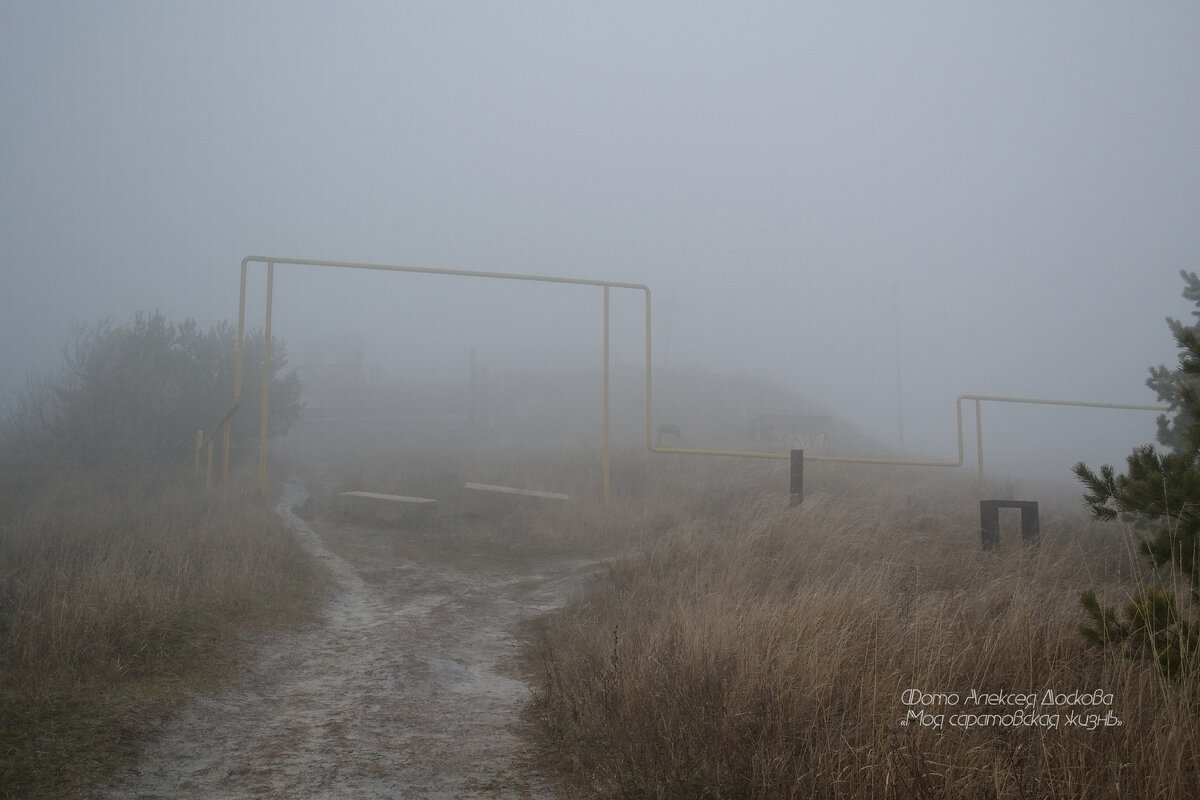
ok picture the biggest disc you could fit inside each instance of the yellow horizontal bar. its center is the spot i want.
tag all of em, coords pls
(1080, 403)
(695, 452)
(906, 462)
(465, 273)
(649, 411)
(807, 457)
(902, 461)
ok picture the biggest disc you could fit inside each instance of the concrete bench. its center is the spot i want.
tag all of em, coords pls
(387, 508)
(483, 499)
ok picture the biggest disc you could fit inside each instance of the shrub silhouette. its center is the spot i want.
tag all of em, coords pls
(131, 397)
(1159, 495)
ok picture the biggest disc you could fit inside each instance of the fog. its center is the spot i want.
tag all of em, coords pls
(881, 206)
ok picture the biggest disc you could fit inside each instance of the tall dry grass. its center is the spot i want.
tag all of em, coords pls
(758, 652)
(650, 495)
(115, 602)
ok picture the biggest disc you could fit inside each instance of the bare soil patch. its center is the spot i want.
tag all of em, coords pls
(408, 687)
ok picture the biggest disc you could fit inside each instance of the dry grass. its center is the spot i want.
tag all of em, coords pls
(735, 648)
(114, 604)
(647, 499)
(759, 652)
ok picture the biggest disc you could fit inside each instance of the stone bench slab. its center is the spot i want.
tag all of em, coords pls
(386, 508)
(486, 498)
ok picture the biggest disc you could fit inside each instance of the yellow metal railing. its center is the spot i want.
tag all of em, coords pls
(977, 398)
(607, 285)
(204, 443)
(266, 375)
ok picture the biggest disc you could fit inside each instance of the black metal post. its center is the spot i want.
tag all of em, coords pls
(797, 478)
(989, 523)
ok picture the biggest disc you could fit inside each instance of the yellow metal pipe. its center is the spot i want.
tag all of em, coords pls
(271, 262)
(266, 385)
(199, 445)
(465, 273)
(649, 387)
(205, 441)
(225, 460)
(978, 440)
(807, 457)
(649, 372)
(896, 461)
(237, 381)
(605, 455)
(958, 416)
(1078, 403)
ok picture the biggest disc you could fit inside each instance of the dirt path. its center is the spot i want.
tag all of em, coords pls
(405, 691)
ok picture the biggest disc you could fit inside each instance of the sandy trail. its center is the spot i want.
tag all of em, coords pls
(404, 690)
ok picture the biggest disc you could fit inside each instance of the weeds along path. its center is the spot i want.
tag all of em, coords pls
(404, 691)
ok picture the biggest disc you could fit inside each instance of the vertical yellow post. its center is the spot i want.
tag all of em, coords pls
(237, 382)
(196, 456)
(649, 389)
(266, 385)
(606, 403)
(979, 443)
(958, 413)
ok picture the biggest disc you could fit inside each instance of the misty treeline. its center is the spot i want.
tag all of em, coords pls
(130, 397)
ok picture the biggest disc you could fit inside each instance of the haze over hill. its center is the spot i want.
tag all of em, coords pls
(533, 409)
(878, 205)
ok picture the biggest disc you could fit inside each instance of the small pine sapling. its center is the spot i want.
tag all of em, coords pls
(1159, 495)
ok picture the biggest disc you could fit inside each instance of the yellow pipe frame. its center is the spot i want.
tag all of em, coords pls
(978, 398)
(204, 441)
(271, 262)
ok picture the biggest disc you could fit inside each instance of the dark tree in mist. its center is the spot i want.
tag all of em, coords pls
(1171, 384)
(1159, 495)
(131, 397)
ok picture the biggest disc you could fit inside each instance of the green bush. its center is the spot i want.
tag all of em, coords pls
(1159, 495)
(131, 397)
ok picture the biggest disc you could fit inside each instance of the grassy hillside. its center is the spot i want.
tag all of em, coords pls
(754, 651)
(544, 409)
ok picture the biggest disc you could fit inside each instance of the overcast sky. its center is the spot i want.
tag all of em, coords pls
(981, 197)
